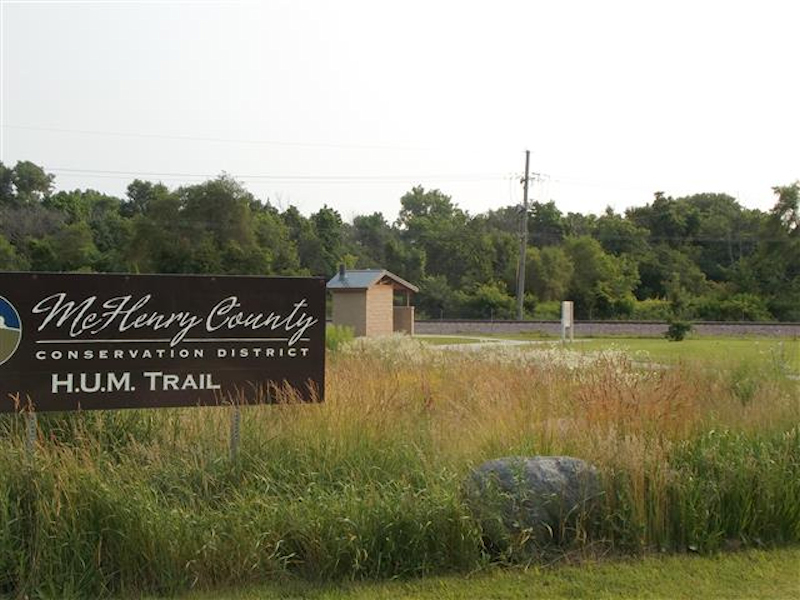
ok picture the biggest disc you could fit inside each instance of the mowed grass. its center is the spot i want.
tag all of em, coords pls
(773, 574)
(727, 352)
(368, 485)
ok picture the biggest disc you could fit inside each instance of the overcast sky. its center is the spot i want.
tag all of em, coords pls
(351, 103)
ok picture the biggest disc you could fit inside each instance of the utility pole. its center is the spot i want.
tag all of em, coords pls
(523, 241)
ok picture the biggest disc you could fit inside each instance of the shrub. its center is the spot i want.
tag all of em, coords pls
(547, 310)
(490, 301)
(737, 307)
(677, 330)
(336, 335)
(652, 309)
(369, 483)
(786, 307)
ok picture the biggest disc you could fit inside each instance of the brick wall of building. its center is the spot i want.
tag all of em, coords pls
(349, 309)
(380, 313)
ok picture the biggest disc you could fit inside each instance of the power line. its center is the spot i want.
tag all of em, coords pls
(567, 180)
(191, 138)
(401, 178)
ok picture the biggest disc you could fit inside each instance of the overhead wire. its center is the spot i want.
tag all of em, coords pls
(223, 140)
(557, 180)
(398, 178)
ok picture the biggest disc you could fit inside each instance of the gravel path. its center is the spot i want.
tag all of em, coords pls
(477, 343)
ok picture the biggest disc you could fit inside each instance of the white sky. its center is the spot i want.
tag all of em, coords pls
(615, 99)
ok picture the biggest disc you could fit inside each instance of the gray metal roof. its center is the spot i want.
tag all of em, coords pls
(361, 279)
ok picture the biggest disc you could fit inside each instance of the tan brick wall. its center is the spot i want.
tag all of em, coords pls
(404, 319)
(350, 309)
(380, 313)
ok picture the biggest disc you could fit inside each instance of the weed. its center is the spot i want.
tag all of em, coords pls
(369, 483)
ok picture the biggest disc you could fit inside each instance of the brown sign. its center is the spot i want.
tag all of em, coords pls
(86, 341)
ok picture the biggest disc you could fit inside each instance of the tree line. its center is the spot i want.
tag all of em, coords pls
(702, 256)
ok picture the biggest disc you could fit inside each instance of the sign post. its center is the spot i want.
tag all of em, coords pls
(567, 321)
(88, 341)
(30, 434)
(236, 430)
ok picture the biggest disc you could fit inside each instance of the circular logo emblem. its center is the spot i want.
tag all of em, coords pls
(10, 330)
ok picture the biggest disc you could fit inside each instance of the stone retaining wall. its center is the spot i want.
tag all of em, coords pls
(600, 328)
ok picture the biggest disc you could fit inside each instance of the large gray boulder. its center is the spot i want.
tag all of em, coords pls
(542, 499)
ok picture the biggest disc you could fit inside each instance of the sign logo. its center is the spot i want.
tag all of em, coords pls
(10, 330)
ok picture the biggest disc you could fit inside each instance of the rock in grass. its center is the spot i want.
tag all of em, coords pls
(543, 499)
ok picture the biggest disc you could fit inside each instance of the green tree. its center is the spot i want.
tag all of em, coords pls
(70, 249)
(453, 244)
(219, 208)
(26, 183)
(489, 301)
(329, 230)
(436, 299)
(140, 194)
(548, 273)
(659, 264)
(156, 248)
(309, 246)
(545, 224)
(775, 267)
(576, 224)
(668, 221)
(602, 285)
(372, 235)
(9, 259)
(7, 195)
(620, 236)
(274, 238)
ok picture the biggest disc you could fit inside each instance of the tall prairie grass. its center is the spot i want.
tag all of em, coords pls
(368, 484)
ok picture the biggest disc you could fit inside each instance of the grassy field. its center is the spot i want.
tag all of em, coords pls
(368, 485)
(773, 575)
(725, 352)
(731, 353)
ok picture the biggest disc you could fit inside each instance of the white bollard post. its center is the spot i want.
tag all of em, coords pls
(567, 320)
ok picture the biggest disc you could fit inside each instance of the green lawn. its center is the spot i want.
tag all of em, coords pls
(757, 351)
(730, 351)
(773, 574)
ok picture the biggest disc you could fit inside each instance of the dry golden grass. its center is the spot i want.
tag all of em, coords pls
(368, 484)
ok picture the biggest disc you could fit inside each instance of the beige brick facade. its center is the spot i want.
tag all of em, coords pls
(380, 315)
(350, 309)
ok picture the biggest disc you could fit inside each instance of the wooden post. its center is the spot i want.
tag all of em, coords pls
(236, 426)
(523, 241)
(30, 434)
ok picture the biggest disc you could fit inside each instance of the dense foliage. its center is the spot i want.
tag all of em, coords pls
(697, 257)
